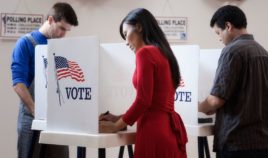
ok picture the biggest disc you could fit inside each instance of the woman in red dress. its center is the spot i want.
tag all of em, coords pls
(160, 130)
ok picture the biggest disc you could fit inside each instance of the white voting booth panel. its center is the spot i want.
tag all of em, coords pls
(73, 80)
(208, 63)
(74, 106)
(186, 98)
(117, 64)
(41, 82)
(39, 122)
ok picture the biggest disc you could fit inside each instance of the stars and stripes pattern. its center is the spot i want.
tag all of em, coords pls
(66, 68)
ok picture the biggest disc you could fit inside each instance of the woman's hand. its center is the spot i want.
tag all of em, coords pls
(107, 127)
(111, 127)
(109, 117)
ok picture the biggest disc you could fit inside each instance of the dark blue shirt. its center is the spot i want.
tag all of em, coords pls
(23, 64)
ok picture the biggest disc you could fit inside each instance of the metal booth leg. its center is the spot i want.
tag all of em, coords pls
(203, 149)
(81, 152)
(130, 151)
(102, 153)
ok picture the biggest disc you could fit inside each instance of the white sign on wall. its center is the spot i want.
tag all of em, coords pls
(175, 28)
(15, 25)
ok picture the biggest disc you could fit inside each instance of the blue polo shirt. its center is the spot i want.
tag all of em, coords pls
(22, 66)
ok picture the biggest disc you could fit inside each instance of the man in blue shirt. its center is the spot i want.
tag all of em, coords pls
(59, 20)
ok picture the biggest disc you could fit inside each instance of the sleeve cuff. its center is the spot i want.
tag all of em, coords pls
(126, 120)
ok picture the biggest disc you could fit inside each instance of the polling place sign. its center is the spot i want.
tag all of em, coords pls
(14, 25)
(175, 28)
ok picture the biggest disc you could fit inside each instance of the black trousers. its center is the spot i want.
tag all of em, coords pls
(257, 153)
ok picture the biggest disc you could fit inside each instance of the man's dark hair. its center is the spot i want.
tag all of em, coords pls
(63, 11)
(231, 14)
(152, 34)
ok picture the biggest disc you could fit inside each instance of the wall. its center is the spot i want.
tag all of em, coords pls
(102, 18)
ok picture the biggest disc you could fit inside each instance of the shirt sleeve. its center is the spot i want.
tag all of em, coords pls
(20, 65)
(227, 75)
(144, 88)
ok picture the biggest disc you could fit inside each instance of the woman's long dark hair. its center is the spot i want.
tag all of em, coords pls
(153, 35)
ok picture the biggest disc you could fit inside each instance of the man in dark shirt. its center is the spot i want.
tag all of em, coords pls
(239, 95)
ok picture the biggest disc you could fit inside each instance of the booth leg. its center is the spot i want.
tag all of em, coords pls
(206, 147)
(102, 153)
(130, 151)
(81, 152)
(121, 151)
(203, 149)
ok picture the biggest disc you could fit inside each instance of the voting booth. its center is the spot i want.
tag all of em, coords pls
(208, 62)
(41, 82)
(186, 97)
(77, 79)
(117, 65)
(73, 82)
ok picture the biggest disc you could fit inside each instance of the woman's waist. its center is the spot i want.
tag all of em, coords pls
(166, 107)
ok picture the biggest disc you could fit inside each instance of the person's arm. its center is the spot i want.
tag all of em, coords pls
(109, 117)
(210, 104)
(21, 70)
(145, 82)
(145, 68)
(25, 96)
(111, 127)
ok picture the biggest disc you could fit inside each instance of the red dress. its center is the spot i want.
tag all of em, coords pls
(160, 131)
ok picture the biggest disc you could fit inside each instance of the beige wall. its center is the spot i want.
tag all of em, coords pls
(101, 18)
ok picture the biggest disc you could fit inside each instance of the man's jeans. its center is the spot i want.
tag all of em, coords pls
(28, 146)
(26, 136)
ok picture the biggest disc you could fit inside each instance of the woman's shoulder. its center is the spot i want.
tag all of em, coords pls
(148, 49)
(149, 53)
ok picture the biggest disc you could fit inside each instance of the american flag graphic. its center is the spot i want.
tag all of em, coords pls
(182, 84)
(66, 68)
